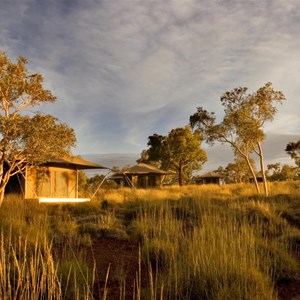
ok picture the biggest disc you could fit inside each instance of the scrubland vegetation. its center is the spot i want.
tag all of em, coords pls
(196, 242)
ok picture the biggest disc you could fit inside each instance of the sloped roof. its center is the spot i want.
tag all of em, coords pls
(210, 175)
(146, 169)
(74, 163)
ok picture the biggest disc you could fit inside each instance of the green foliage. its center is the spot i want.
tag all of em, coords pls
(242, 125)
(26, 138)
(34, 139)
(293, 149)
(97, 183)
(19, 89)
(236, 172)
(179, 151)
(278, 172)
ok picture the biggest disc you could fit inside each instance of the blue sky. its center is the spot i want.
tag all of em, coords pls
(125, 69)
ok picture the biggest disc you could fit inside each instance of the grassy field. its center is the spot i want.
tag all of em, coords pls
(195, 242)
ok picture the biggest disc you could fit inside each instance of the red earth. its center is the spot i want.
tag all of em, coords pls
(121, 259)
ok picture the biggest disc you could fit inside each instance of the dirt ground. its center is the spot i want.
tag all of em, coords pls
(121, 258)
(291, 290)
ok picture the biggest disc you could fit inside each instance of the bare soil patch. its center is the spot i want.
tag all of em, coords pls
(121, 258)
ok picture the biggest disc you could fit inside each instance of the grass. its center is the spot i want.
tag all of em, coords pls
(215, 257)
(197, 242)
(27, 273)
(217, 244)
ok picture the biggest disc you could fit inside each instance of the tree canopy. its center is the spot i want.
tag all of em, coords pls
(26, 138)
(293, 149)
(180, 151)
(279, 172)
(237, 171)
(243, 122)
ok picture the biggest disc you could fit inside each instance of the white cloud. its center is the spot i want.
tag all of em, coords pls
(123, 70)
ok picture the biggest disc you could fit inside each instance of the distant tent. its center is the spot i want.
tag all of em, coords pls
(140, 176)
(258, 178)
(53, 181)
(209, 178)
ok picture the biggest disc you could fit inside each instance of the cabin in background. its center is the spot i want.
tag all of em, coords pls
(56, 179)
(258, 178)
(210, 178)
(140, 176)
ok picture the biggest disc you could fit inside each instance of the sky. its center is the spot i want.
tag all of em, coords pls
(123, 70)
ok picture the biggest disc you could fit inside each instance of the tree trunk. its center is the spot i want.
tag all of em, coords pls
(2, 191)
(4, 178)
(262, 168)
(180, 175)
(253, 174)
(246, 156)
(2, 188)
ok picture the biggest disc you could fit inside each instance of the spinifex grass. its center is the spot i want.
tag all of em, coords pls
(27, 273)
(197, 242)
(200, 248)
(33, 264)
(31, 273)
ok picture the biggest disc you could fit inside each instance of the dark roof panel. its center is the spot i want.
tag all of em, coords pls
(210, 175)
(74, 163)
(144, 169)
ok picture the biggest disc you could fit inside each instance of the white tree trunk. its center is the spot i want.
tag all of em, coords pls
(253, 174)
(262, 168)
(2, 191)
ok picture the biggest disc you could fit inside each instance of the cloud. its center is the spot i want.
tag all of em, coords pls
(123, 70)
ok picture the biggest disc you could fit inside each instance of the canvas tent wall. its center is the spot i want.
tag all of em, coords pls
(140, 176)
(58, 178)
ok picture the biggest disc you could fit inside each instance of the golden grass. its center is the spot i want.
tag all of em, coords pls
(198, 242)
(228, 191)
(27, 274)
(215, 242)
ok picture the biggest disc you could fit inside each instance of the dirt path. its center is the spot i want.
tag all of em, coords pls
(121, 259)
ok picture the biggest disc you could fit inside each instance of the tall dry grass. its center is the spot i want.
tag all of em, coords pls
(27, 273)
(197, 242)
(215, 243)
(39, 256)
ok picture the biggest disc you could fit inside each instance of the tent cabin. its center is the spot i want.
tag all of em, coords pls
(140, 176)
(258, 178)
(209, 178)
(53, 181)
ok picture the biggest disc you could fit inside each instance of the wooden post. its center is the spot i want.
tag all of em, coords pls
(76, 189)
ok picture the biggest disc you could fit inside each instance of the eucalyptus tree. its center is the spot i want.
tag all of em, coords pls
(26, 138)
(293, 149)
(228, 131)
(259, 109)
(279, 172)
(180, 151)
(243, 122)
(238, 171)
